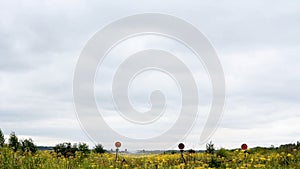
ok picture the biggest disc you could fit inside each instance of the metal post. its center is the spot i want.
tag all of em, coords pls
(181, 152)
(117, 152)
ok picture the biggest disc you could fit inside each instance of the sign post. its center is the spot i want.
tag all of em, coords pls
(181, 147)
(118, 145)
(245, 147)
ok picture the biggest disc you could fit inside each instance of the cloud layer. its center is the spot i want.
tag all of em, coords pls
(257, 43)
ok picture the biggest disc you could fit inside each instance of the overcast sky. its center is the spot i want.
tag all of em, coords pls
(257, 43)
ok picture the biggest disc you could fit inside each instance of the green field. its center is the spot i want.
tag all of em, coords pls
(258, 158)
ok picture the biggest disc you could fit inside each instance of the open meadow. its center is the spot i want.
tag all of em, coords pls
(262, 158)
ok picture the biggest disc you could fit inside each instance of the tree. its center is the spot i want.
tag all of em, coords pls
(28, 145)
(210, 148)
(2, 139)
(83, 147)
(99, 149)
(13, 141)
(65, 149)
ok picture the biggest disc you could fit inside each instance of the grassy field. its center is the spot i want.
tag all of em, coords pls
(220, 159)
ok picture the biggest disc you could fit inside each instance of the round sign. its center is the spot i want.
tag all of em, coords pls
(181, 146)
(118, 144)
(244, 146)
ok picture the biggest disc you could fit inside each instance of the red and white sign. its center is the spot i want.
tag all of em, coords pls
(118, 144)
(244, 146)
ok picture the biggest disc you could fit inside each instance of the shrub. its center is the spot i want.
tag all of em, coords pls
(210, 148)
(84, 148)
(65, 149)
(214, 162)
(28, 145)
(222, 152)
(191, 151)
(99, 149)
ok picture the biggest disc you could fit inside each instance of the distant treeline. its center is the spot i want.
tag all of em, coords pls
(67, 149)
(62, 149)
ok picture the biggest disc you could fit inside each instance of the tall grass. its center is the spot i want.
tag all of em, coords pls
(228, 159)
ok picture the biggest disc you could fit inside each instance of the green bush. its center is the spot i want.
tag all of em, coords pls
(65, 149)
(28, 145)
(99, 149)
(222, 153)
(210, 148)
(191, 151)
(215, 163)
